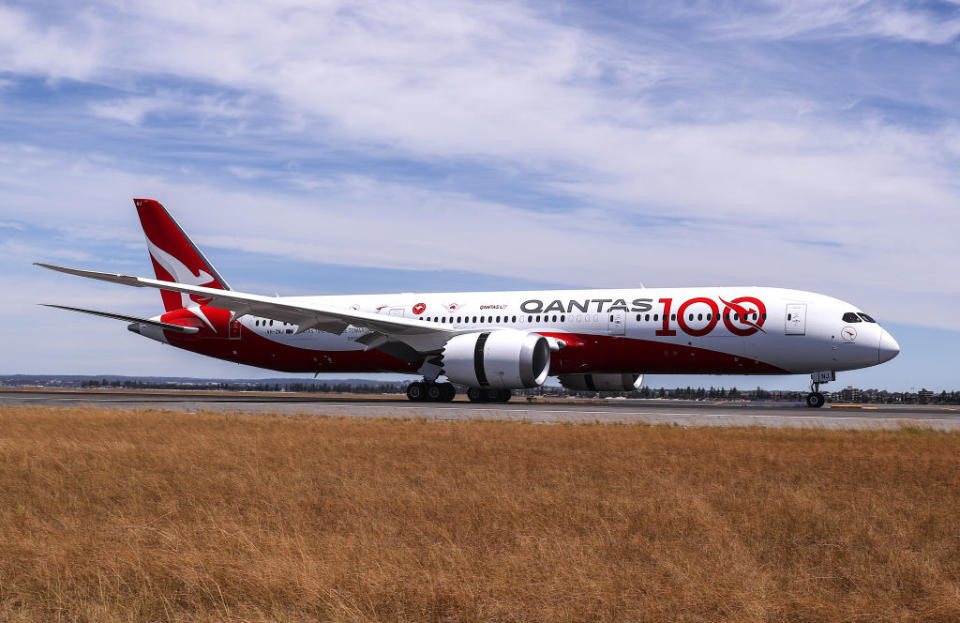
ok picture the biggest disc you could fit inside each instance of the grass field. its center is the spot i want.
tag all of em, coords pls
(156, 516)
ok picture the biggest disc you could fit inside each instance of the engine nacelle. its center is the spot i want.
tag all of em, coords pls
(505, 359)
(601, 382)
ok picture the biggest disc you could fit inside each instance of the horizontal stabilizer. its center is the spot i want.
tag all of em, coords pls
(154, 323)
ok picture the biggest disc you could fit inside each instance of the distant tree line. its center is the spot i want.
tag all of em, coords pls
(681, 393)
(293, 386)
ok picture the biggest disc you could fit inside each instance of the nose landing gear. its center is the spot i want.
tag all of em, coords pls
(815, 399)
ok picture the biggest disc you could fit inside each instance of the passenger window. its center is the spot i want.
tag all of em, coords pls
(529, 318)
(851, 317)
(865, 317)
(563, 318)
(514, 319)
(638, 317)
(498, 318)
(554, 317)
(699, 316)
(789, 316)
(538, 318)
(656, 317)
(673, 316)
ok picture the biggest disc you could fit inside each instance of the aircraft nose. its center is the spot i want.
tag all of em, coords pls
(888, 347)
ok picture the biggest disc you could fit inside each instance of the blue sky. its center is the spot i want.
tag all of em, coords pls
(347, 147)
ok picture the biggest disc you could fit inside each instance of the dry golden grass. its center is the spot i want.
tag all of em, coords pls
(157, 516)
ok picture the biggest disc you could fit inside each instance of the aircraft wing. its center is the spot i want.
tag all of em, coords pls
(304, 315)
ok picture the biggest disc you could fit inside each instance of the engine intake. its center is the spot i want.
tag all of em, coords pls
(602, 382)
(505, 358)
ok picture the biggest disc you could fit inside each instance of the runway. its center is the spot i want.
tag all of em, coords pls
(676, 412)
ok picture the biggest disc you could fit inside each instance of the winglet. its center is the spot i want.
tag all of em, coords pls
(129, 280)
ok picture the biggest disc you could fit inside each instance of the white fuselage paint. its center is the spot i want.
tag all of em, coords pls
(819, 341)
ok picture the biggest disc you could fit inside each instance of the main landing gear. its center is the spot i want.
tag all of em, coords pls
(430, 391)
(815, 399)
(488, 394)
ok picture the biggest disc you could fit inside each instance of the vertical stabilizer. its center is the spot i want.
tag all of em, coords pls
(175, 257)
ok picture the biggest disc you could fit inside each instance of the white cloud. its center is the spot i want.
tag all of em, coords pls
(799, 19)
(889, 267)
(129, 110)
(15, 251)
(624, 130)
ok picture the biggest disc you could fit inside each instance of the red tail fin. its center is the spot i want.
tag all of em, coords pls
(175, 257)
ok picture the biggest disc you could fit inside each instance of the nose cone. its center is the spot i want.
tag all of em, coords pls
(888, 347)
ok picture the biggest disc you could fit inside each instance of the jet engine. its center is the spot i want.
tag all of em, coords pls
(601, 382)
(505, 359)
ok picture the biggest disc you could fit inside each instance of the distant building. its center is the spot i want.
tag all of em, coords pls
(850, 394)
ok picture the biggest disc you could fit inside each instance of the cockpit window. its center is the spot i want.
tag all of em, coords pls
(865, 317)
(851, 317)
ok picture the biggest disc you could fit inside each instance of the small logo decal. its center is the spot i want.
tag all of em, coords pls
(453, 306)
(419, 308)
(848, 334)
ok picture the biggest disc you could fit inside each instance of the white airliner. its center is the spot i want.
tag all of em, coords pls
(493, 342)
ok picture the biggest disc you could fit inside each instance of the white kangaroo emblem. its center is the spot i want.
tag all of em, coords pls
(181, 274)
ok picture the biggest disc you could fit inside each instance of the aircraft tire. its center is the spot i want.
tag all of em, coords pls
(815, 400)
(449, 392)
(475, 394)
(496, 395)
(416, 392)
(435, 392)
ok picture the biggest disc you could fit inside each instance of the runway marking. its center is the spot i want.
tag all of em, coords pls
(506, 408)
(812, 416)
(942, 418)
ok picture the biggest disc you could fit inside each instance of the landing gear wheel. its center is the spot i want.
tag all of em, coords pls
(475, 394)
(449, 392)
(815, 400)
(416, 392)
(491, 395)
(505, 395)
(435, 392)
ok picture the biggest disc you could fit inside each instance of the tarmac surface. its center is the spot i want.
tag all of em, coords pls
(677, 412)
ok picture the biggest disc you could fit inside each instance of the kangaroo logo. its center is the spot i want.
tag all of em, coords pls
(181, 274)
